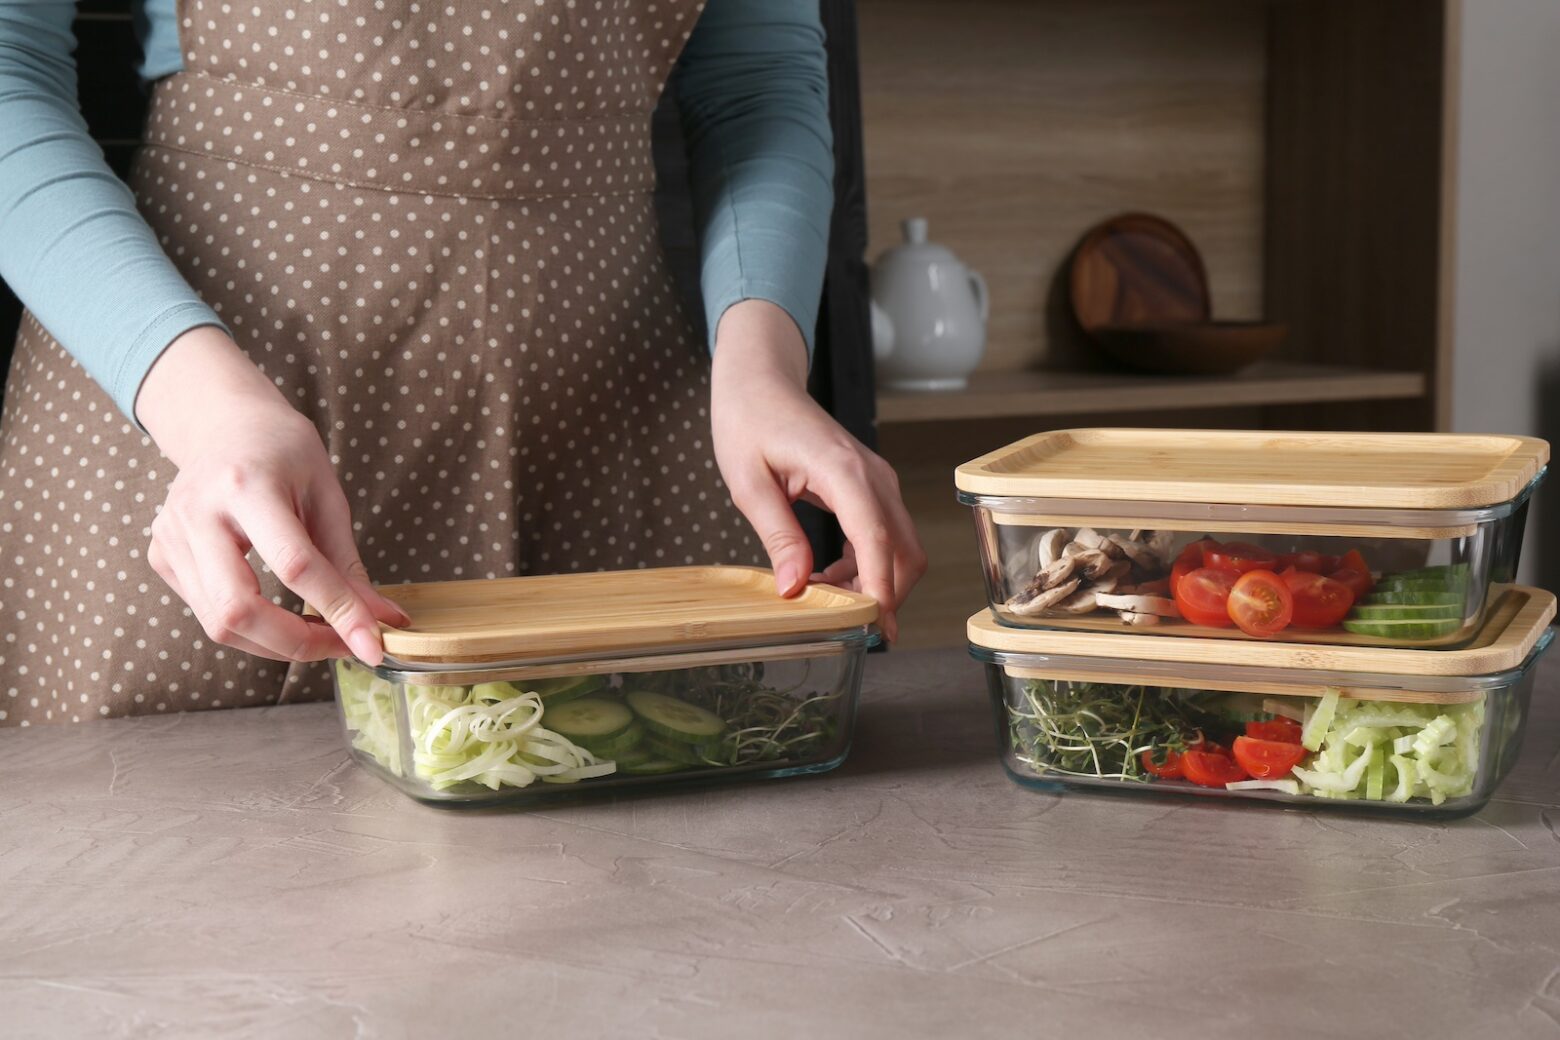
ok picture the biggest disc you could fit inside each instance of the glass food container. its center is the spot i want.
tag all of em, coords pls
(1359, 539)
(517, 689)
(1378, 730)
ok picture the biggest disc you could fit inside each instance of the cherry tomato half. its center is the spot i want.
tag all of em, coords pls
(1357, 582)
(1202, 597)
(1319, 602)
(1353, 560)
(1208, 769)
(1305, 560)
(1286, 731)
(1191, 559)
(1169, 769)
(1240, 557)
(1260, 604)
(1267, 759)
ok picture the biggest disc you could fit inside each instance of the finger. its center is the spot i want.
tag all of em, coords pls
(862, 519)
(286, 547)
(235, 611)
(841, 571)
(333, 534)
(768, 509)
(909, 556)
(170, 556)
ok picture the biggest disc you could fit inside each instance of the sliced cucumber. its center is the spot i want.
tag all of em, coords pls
(673, 718)
(1451, 571)
(611, 747)
(571, 687)
(633, 756)
(1406, 612)
(587, 718)
(676, 750)
(651, 767)
(1403, 631)
(1408, 597)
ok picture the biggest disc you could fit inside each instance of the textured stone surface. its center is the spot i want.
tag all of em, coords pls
(233, 874)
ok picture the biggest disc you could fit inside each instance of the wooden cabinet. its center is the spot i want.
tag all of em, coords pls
(1303, 144)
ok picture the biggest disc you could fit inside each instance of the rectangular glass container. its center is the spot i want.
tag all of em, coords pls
(1082, 529)
(520, 689)
(1389, 731)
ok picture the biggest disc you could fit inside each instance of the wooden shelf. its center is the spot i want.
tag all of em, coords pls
(1011, 394)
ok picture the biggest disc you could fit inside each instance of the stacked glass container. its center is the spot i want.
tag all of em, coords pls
(1295, 617)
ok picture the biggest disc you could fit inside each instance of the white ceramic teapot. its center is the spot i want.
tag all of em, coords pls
(928, 315)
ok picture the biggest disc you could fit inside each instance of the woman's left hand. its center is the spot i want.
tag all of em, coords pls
(776, 446)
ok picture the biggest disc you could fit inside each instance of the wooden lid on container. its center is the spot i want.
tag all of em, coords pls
(519, 619)
(1513, 625)
(1348, 470)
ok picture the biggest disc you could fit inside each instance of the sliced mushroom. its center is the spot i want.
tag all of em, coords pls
(1034, 600)
(1159, 543)
(1132, 618)
(1112, 579)
(1089, 538)
(1157, 587)
(1138, 604)
(1080, 602)
(1059, 571)
(1093, 563)
(1137, 552)
(1049, 547)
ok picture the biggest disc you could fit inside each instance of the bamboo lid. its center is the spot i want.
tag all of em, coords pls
(519, 619)
(1352, 470)
(1516, 620)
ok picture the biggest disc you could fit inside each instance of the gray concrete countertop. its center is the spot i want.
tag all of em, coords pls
(232, 873)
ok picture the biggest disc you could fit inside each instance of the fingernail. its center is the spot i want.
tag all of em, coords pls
(365, 645)
(786, 576)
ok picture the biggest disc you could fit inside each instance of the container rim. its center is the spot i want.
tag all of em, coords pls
(1257, 515)
(1180, 673)
(864, 636)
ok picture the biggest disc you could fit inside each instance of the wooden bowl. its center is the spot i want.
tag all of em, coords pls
(1198, 348)
(1137, 269)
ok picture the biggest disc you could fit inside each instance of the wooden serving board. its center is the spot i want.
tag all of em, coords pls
(1513, 625)
(1343, 470)
(518, 619)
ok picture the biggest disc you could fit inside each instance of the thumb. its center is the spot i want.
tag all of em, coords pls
(774, 521)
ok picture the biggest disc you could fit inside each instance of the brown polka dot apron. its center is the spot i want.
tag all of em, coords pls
(432, 226)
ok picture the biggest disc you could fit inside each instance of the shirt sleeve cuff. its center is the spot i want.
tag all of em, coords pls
(149, 346)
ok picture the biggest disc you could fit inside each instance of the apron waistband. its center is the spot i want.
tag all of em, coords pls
(398, 149)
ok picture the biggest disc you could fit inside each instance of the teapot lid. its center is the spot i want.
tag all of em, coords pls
(914, 230)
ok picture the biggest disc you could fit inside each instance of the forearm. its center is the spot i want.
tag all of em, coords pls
(72, 244)
(752, 88)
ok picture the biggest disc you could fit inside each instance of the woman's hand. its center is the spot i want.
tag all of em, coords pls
(253, 474)
(775, 445)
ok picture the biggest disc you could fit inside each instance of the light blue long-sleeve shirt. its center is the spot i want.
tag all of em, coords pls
(752, 86)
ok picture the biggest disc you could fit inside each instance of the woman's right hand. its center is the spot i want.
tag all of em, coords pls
(253, 473)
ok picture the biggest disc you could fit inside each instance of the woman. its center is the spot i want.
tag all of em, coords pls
(388, 299)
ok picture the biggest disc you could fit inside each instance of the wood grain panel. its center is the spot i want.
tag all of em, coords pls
(1013, 126)
(1356, 201)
